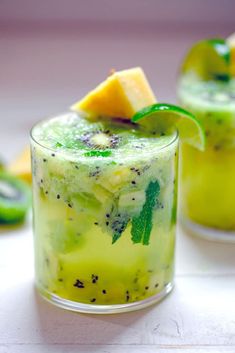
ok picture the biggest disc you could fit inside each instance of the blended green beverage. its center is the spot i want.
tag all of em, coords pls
(104, 212)
(105, 197)
(207, 188)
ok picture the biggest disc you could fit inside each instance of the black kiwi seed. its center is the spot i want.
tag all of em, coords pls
(58, 196)
(93, 300)
(95, 173)
(53, 154)
(104, 291)
(94, 278)
(78, 284)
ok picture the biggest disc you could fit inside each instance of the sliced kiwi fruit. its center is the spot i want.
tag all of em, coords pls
(15, 198)
(1, 164)
(100, 139)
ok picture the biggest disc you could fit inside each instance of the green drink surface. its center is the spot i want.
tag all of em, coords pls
(119, 139)
(104, 222)
(213, 103)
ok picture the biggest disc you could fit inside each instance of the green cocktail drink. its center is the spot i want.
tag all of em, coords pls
(104, 213)
(105, 197)
(207, 188)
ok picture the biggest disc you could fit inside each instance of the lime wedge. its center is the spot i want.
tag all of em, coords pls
(162, 117)
(208, 60)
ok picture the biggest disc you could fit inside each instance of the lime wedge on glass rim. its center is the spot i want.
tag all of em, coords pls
(208, 60)
(162, 117)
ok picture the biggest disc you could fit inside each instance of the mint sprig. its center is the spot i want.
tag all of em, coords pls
(142, 224)
(96, 153)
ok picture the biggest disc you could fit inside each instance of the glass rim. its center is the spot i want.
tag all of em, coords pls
(175, 137)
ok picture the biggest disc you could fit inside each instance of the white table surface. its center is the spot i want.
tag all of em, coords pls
(198, 316)
(40, 75)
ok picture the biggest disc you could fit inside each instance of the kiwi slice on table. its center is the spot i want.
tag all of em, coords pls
(15, 198)
(1, 164)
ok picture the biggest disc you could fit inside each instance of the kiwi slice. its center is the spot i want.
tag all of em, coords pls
(15, 199)
(100, 139)
(1, 164)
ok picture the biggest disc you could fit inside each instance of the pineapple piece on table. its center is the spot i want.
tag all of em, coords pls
(21, 166)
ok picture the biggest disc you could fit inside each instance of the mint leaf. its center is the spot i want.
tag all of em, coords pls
(142, 224)
(96, 153)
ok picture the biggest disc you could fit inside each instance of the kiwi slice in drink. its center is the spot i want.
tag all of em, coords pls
(15, 198)
(100, 143)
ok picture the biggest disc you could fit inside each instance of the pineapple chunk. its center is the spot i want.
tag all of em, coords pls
(121, 95)
(231, 44)
(22, 166)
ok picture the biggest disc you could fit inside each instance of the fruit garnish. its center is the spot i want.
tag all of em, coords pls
(15, 198)
(142, 224)
(208, 60)
(100, 139)
(161, 117)
(231, 43)
(21, 167)
(122, 94)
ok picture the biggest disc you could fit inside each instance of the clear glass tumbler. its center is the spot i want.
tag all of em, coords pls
(207, 188)
(104, 225)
